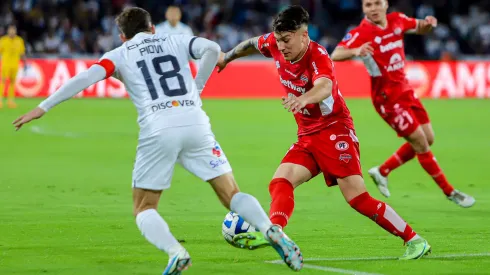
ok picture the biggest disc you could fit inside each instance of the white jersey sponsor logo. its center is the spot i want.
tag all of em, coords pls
(291, 86)
(391, 46)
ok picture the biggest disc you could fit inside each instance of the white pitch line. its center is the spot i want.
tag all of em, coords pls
(40, 131)
(338, 270)
(346, 259)
(354, 272)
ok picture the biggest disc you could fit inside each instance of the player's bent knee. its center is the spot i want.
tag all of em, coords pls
(294, 173)
(419, 141)
(430, 140)
(351, 187)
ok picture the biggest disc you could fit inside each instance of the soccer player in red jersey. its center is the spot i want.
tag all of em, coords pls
(326, 138)
(378, 41)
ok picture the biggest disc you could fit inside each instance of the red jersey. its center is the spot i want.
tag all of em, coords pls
(298, 78)
(386, 65)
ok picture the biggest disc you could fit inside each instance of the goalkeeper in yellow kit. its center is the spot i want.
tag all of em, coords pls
(12, 49)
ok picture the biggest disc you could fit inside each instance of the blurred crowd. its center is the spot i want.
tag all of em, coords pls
(69, 27)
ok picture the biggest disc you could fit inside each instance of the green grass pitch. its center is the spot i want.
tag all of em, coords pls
(65, 199)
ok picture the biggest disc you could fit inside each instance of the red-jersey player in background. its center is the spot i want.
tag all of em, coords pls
(326, 138)
(378, 40)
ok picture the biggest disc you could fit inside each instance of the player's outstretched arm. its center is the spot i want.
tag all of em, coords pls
(322, 88)
(69, 89)
(245, 48)
(424, 26)
(340, 53)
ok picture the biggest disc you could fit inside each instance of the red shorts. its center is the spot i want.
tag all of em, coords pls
(333, 151)
(405, 114)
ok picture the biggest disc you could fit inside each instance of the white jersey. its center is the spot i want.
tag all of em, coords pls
(166, 28)
(155, 70)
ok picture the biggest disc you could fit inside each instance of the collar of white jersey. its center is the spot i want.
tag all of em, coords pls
(141, 34)
(307, 48)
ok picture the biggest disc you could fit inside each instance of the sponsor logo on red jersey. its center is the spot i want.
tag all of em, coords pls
(291, 86)
(391, 46)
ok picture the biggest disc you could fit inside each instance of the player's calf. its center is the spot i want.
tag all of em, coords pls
(382, 214)
(156, 231)
(282, 205)
(225, 188)
(243, 204)
(355, 193)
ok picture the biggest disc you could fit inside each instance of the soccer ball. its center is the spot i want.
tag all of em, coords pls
(233, 225)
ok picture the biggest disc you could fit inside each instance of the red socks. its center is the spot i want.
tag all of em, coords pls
(402, 155)
(427, 160)
(282, 205)
(383, 215)
(430, 165)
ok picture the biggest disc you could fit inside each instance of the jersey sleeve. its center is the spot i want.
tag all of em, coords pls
(321, 65)
(265, 43)
(193, 45)
(208, 52)
(352, 39)
(408, 24)
(74, 85)
(109, 62)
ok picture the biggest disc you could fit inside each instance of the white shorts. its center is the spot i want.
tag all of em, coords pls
(194, 147)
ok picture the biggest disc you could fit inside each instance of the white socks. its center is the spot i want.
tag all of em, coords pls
(156, 231)
(249, 208)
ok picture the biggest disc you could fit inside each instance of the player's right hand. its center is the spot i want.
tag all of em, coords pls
(221, 62)
(365, 49)
(34, 114)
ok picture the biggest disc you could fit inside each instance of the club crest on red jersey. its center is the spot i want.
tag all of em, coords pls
(342, 145)
(345, 158)
(304, 79)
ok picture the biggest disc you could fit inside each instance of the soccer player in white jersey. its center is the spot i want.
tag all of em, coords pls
(154, 68)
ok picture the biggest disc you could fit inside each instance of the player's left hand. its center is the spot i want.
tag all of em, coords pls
(293, 104)
(34, 114)
(431, 20)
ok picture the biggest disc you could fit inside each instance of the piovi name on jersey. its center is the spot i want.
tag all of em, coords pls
(146, 49)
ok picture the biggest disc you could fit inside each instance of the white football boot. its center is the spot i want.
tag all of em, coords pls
(178, 263)
(461, 199)
(380, 181)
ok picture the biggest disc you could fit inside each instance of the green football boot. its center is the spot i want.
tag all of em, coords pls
(416, 249)
(250, 240)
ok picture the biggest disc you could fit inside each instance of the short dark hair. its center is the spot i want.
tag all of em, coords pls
(290, 19)
(132, 21)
